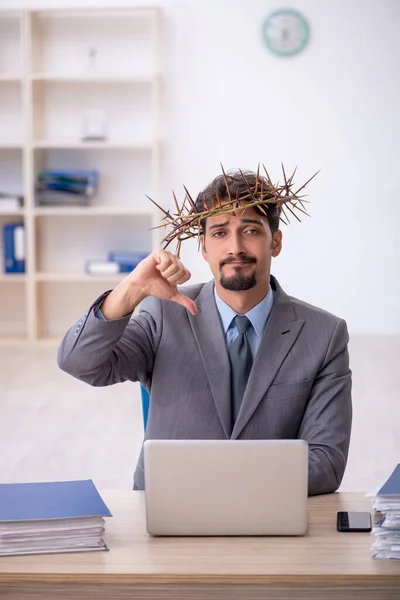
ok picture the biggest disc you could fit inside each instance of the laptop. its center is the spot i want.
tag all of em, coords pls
(226, 487)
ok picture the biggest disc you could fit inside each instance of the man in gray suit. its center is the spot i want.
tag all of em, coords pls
(187, 348)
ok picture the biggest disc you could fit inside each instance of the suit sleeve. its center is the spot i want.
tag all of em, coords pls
(102, 352)
(326, 424)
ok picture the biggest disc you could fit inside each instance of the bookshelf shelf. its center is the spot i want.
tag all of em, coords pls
(90, 79)
(4, 78)
(11, 213)
(123, 145)
(78, 278)
(12, 278)
(4, 145)
(56, 67)
(100, 14)
(89, 211)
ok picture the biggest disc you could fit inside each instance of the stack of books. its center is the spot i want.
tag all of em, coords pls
(43, 518)
(386, 530)
(66, 187)
(116, 262)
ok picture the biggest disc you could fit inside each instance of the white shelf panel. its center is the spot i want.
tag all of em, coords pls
(139, 145)
(12, 278)
(135, 13)
(90, 211)
(10, 213)
(78, 278)
(91, 78)
(4, 145)
(9, 78)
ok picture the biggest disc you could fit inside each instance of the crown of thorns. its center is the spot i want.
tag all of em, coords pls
(263, 194)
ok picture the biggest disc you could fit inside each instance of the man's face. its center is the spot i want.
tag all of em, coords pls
(239, 247)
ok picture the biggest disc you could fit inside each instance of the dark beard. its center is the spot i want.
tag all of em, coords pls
(238, 283)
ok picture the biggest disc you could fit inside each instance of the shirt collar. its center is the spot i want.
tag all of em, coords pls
(258, 315)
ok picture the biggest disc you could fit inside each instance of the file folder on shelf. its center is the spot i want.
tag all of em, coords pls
(14, 248)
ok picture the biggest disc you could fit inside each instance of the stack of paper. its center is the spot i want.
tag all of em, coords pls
(62, 516)
(387, 518)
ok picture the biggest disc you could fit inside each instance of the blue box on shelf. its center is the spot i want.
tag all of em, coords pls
(14, 247)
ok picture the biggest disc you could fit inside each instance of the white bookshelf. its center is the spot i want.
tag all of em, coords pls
(55, 65)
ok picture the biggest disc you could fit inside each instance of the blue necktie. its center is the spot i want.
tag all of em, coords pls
(241, 361)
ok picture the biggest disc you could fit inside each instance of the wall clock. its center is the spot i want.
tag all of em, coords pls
(285, 32)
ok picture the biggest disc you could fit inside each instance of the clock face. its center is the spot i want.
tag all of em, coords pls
(285, 32)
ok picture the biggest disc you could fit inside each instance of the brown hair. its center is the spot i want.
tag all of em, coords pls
(238, 183)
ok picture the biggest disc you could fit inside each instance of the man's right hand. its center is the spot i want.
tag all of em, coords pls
(157, 275)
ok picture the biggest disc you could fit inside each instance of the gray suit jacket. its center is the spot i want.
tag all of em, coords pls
(299, 385)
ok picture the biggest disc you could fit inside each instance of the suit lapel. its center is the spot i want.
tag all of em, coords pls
(207, 330)
(280, 334)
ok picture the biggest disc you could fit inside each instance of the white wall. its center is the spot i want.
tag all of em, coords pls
(334, 107)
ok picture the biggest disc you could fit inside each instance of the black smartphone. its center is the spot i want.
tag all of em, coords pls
(354, 521)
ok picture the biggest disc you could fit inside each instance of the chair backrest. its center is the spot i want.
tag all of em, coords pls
(145, 405)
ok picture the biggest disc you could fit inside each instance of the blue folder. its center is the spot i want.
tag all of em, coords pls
(50, 500)
(12, 262)
(392, 485)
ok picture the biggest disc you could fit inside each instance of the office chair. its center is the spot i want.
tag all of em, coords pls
(145, 404)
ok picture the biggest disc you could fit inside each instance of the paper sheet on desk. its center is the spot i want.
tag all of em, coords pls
(59, 551)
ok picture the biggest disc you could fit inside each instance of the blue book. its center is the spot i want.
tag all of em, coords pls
(83, 175)
(72, 181)
(126, 257)
(392, 485)
(14, 248)
(50, 500)
(126, 267)
(67, 186)
(127, 261)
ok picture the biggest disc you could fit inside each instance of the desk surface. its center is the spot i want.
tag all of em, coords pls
(322, 557)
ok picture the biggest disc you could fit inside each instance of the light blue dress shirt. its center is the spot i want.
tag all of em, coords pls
(258, 317)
